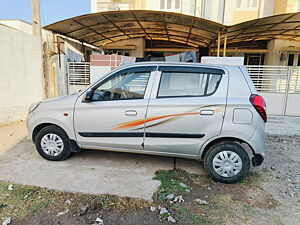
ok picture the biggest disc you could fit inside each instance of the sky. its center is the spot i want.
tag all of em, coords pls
(51, 10)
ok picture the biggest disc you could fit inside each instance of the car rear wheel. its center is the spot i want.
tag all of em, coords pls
(227, 162)
(52, 143)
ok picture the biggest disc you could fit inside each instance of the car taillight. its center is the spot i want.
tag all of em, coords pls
(260, 105)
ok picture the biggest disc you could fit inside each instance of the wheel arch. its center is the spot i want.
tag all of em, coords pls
(73, 144)
(242, 142)
(39, 127)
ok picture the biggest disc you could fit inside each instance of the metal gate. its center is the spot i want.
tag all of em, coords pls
(78, 76)
(280, 86)
(292, 107)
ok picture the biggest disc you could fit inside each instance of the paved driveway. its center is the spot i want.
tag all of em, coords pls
(283, 125)
(95, 172)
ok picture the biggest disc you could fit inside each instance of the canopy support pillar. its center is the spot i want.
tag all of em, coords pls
(225, 45)
(219, 42)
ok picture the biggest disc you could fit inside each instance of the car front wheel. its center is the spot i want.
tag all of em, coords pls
(52, 143)
(227, 162)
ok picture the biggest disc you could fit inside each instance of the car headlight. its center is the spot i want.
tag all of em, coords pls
(33, 106)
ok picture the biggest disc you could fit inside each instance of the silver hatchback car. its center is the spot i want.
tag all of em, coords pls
(196, 111)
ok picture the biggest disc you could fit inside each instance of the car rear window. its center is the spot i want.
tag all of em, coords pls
(187, 84)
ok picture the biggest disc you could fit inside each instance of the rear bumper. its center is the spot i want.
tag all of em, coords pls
(258, 143)
(259, 139)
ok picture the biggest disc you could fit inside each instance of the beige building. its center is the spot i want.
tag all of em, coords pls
(227, 12)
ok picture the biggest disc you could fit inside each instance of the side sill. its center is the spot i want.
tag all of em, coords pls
(145, 152)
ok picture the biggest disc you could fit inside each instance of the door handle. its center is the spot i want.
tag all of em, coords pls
(130, 113)
(207, 112)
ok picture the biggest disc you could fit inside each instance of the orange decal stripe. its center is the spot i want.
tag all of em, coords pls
(150, 119)
(219, 110)
(131, 124)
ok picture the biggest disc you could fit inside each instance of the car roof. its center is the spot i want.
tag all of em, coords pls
(160, 63)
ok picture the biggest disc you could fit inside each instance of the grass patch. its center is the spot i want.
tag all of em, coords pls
(225, 210)
(101, 202)
(252, 179)
(225, 207)
(222, 209)
(184, 215)
(171, 183)
(26, 200)
(22, 200)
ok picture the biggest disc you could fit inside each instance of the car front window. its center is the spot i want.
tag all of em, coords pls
(124, 86)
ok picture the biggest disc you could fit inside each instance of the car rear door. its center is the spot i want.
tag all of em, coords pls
(186, 108)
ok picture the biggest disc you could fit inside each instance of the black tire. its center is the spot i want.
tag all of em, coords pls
(65, 153)
(228, 146)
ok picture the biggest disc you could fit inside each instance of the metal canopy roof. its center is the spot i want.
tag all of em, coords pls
(102, 28)
(284, 26)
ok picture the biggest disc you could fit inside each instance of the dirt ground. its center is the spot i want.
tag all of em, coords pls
(283, 165)
(270, 194)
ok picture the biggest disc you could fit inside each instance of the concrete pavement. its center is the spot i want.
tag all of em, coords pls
(283, 125)
(94, 172)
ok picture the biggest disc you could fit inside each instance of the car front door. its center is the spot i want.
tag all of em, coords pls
(186, 108)
(105, 121)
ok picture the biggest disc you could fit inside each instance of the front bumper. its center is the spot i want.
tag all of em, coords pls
(30, 124)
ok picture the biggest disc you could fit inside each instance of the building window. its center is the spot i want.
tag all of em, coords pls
(254, 3)
(291, 59)
(162, 4)
(169, 4)
(238, 3)
(208, 7)
(177, 4)
(246, 4)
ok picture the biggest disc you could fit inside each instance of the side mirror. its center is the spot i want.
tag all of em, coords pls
(88, 97)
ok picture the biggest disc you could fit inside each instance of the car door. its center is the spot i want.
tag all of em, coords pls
(186, 108)
(104, 122)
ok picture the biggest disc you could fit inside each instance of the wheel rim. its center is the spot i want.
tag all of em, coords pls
(227, 163)
(52, 144)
